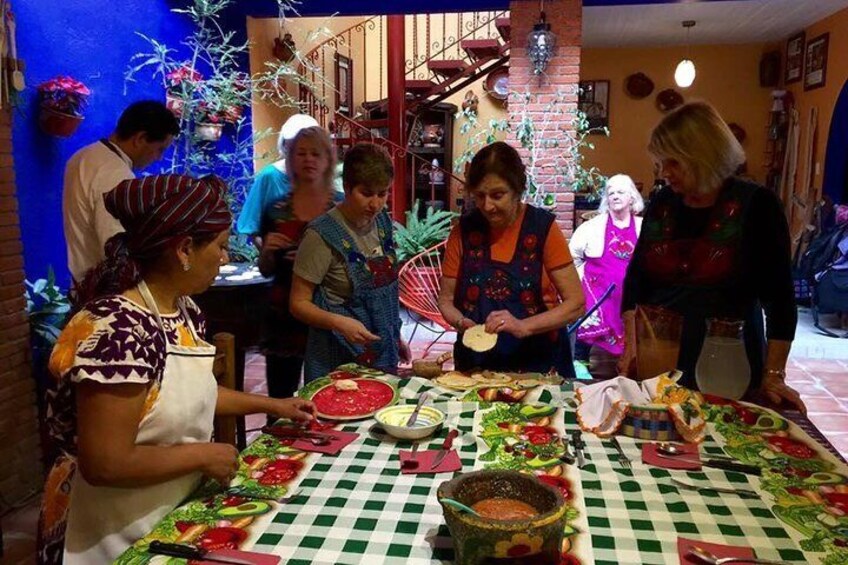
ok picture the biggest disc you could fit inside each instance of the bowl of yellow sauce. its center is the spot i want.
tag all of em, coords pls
(393, 419)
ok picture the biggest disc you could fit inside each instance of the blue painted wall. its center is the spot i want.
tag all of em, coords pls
(93, 41)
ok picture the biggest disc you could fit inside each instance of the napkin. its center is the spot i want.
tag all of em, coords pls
(249, 556)
(339, 441)
(449, 464)
(690, 454)
(716, 549)
(603, 406)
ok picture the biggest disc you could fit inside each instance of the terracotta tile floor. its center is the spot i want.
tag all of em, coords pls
(823, 384)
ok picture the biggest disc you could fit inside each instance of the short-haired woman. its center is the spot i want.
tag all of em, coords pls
(507, 265)
(713, 246)
(602, 248)
(345, 275)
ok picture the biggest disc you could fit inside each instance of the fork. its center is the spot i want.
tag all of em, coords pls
(622, 458)
(689, 486)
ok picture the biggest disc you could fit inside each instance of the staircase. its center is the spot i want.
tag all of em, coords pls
(445, 53)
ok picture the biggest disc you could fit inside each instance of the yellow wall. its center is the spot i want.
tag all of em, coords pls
(823, 98)
(727, 77)
(306, 33)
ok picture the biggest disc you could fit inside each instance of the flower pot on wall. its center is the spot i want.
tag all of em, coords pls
(175, 104)
(209, 132)
(56, 123)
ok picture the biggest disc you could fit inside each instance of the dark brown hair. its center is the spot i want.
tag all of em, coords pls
(498, 159)
(368, 165)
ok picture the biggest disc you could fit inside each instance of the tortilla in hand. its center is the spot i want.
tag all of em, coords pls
(477, 339)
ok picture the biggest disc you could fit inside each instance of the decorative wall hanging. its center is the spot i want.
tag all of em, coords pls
(794, 58)
(668, 100)
(815, 64)
(344, 84)
(62, 101)
(470, 102)
(638, 86)
(497, 84)
(284, 48)
(593, 100)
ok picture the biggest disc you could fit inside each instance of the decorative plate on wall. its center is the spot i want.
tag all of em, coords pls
(668, 100)
(497, 84)
(638, 85)
(738, 132)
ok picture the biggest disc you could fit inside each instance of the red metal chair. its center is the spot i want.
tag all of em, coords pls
(419, 281)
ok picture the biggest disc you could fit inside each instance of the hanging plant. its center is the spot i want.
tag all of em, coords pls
(62, 101)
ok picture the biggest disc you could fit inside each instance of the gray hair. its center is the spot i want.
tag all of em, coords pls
(637, 203)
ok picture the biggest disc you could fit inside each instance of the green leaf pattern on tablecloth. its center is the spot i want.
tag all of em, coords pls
(809, 487)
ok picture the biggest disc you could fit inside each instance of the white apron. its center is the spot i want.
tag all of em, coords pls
(104, 521)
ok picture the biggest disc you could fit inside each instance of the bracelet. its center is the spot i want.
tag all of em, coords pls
(780, 373)
(458, 323)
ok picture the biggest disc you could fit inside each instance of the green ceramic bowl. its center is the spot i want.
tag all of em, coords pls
(476, 541)
(393, 420)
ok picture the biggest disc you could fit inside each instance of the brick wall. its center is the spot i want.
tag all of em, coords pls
(562, 75)
(20, 459)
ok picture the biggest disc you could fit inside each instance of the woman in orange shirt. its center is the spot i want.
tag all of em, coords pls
(507, 265)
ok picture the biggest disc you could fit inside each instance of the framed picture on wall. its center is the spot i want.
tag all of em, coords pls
(794, 58)
(815, 71)
(344, 84)
(593, 100)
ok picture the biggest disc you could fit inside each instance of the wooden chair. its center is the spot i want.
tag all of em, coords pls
(225, 373)
(419, 281)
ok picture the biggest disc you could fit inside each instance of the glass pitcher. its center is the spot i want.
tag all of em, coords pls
(658, 332)
(723, 368)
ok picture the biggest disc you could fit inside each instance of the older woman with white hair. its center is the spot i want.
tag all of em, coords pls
(602, 248)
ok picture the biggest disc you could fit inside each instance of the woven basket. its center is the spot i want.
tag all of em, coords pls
(650, 422)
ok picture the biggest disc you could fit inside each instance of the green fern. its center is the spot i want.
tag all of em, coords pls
(418, 235)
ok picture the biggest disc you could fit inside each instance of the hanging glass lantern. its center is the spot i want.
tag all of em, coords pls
(541, 43)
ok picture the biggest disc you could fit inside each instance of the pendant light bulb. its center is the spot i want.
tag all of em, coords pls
(684, 74)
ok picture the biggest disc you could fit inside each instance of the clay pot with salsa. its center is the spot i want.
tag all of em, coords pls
(521, 522)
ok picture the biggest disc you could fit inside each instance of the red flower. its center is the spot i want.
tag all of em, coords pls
(528, 297)
(473, 292)
(475, 238)
(530, 241)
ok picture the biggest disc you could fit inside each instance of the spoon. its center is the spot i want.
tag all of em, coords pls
(676, 451)
(414, 416)
(705, 556)
(460, 506)
(18, 82)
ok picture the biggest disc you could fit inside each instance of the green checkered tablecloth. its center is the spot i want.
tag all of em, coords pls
(357, 507)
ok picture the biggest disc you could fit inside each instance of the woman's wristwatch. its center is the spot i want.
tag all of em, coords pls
(458, 324)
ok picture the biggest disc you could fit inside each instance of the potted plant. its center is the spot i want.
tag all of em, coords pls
(209, 121)
(180, 84)
(421, 233)
(62, 101)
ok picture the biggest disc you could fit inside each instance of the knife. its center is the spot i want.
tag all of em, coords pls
(294, 433)
(717, 464)
(414, 416)
(184, 551)
(446, 447)
(579, 444)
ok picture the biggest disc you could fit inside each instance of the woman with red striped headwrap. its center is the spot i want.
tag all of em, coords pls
(135, 395)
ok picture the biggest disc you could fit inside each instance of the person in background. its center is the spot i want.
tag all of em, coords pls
(310, 166)
(713, 246)
(507, 265)
(272, 183)
(345, 274)
(135, 397)
(144, 132)
(602, 248)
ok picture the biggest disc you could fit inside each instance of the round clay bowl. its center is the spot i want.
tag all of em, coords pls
(534, 541)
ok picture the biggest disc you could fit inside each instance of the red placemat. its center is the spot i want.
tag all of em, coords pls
(685, 462)
(425, 459)
(719, 550)
(339, 441)
(250, 556)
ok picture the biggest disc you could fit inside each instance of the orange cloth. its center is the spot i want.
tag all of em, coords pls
(555, 254)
